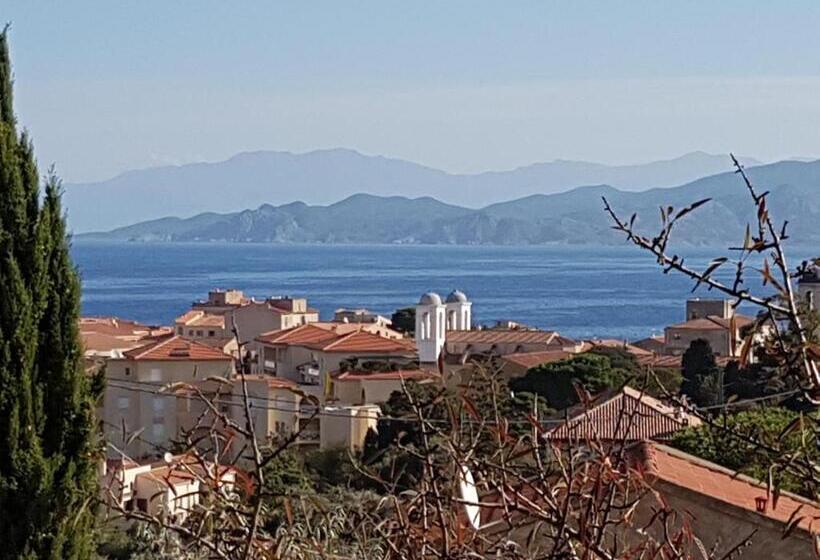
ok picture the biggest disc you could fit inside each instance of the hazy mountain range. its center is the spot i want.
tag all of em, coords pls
(575, 216)
(249, 180)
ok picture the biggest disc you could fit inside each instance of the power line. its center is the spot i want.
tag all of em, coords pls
(222, 400)
(241, 404)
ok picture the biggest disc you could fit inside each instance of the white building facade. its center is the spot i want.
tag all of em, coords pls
(435, 317)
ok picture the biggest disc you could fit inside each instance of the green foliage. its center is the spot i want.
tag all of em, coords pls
(404, 320)
(329, 468)
(47, 438)
(143, 542)
(285, 475)
(555, 382)
(702, 378)
(662, 380)
(719, 444)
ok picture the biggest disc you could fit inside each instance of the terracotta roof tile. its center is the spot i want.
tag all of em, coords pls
(713, 322)
(535, 359)
(366, 342)
(273, 381)
(630, 415)
(338, 337)
(197, 318)
(176, 348)
(686, 471)
(104, 334)
(655, 360)
(114, 326)
(496, 336)
(303, 334)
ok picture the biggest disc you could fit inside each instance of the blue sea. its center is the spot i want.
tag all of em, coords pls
(616, 292)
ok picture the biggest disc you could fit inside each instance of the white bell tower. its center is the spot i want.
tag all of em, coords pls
(430, 327)
(458, 312)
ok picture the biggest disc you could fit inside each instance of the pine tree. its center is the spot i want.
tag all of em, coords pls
(48, 444)
(702, 377)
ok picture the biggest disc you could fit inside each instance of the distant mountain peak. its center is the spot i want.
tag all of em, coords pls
(326, 175)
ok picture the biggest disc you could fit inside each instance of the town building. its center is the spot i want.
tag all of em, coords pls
(654, 343)
(133, 399)
(808, 286)
(446, 326)
(278, 410)
(346, 426)
(359, 387)
(466, 345)
(714, 321)
(251, 317)
(434, 318)
(209, 328)
(170, 488)
(625, 415)
(519, 363)
(108, 337)
(360, 315)
(721, 507)
(308, 354)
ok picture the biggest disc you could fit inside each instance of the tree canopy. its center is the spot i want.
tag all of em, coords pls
(48, 457)
(731, 442)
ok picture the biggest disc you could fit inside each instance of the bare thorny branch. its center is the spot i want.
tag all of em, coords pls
(783, 305)
(537, 498)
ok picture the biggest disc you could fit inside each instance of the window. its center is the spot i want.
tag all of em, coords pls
(158, 431)
(191, 332)
(142, 504)
(123, 403)
(211, 333)
(199, 333)
(180, 330)
(159, 404)
(128, 371)
(156, 375)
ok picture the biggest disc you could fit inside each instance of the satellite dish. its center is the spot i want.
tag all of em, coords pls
(469, 494)
(168, 457)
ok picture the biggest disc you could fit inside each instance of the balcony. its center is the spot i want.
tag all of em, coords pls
(309, 374)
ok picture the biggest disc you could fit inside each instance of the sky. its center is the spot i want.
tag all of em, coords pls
(464, 86)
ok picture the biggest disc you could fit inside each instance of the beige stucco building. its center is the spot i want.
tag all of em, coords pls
(133, 399)
(251, 317)
(375, 387)
(308, 354)
(808, 286)
(171, 487)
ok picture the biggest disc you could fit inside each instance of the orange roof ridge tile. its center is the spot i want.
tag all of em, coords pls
(176, 347)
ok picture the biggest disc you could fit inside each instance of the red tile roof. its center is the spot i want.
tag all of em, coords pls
(655, 360)
(114, 326)
(713, 322)
(616, 344)
(656, 463)
(176, 348)
(196, 318)
(397, 375)
(366, 342)
(337, 337)
(104, 334)
(535, 359)
(630, 415)
(273, 381)
(304, 334)
(496, 336)
(692, 473)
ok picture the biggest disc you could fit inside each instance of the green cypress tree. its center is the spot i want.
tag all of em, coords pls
(48, 449)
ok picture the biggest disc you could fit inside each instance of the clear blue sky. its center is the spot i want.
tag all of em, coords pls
(463, 86)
